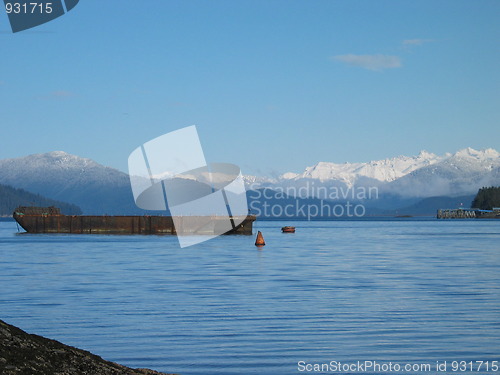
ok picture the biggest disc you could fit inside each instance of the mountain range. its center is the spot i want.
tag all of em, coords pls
(381, 170)
(57, 175)
(424, 175)
(400, 182)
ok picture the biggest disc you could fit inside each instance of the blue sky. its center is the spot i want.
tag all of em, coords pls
(273, 86)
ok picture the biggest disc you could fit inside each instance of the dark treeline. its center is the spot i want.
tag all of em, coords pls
(11, 197)
(487, 198)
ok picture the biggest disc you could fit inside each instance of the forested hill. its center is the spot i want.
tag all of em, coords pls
(11, 197)
(487, 198)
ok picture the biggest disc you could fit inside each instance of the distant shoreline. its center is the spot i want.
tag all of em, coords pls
(346, 218)
(341, 218)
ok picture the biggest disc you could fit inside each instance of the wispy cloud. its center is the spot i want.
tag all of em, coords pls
(57, 95)
(416, 42)
(371, 62)
(61, 94)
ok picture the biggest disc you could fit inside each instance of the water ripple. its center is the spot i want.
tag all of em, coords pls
(408, 291)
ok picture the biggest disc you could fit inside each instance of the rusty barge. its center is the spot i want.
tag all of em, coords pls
(50, 220)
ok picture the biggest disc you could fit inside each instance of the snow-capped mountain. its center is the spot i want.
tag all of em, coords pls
(98, 189)
(52, 165)
(386, 170)
(423, 175)
(461, 173)
(65, 177)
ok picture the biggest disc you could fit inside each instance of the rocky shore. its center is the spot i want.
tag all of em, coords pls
(25, 354)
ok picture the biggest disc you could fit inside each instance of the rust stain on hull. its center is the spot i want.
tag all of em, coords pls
(50, 220)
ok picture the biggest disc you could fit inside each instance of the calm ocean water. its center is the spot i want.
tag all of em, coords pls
(405, 291)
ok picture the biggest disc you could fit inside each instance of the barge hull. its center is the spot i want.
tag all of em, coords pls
(77, 224)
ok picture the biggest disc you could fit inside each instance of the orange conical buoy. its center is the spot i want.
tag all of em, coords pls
(260, 240)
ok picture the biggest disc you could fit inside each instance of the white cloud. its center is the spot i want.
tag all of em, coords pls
(416, 42)
(371, 62)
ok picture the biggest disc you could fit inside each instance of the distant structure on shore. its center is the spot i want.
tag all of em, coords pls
(468, 213)
(486, 205)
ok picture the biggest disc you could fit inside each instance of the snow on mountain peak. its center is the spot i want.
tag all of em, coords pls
(426, 155)
(58, 154)
(60, 159)
(289, 175)
(52, 165)
(382, 170)
(480, 155)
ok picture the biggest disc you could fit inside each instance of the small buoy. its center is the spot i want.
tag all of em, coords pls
(260, 240)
